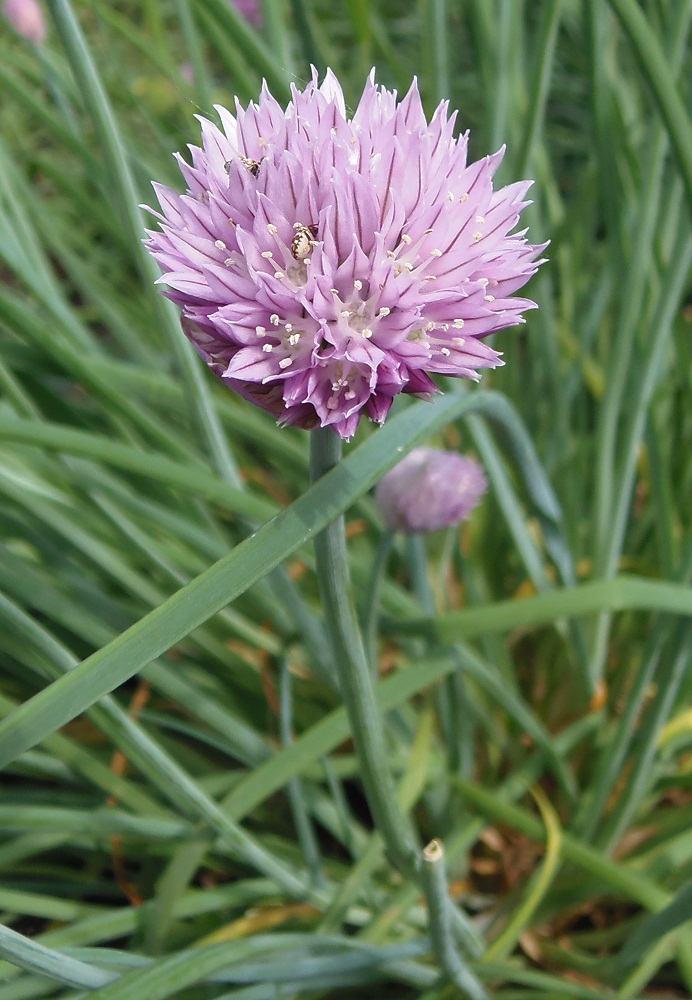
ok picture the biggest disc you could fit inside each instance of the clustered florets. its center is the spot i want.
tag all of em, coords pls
(325, 264)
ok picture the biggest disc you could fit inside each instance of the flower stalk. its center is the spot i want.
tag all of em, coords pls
(439, 911)
(355, 677)
(356, 685)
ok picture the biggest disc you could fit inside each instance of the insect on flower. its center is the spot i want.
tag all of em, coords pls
(303, 241)
(417, 262)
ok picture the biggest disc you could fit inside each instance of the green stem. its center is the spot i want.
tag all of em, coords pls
(435, 885)
(656, 67)
(355, 676)
(358, 693)
(126, 200)
(370, 612)
(418, 568)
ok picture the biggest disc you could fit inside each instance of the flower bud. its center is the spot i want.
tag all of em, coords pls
(251, 11)
(430, 489)
(27, 18)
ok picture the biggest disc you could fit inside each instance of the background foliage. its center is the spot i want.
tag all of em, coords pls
(200, 832)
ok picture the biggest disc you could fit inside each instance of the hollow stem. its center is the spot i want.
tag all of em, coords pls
(355, 676)
(439, 912)
(356, 685)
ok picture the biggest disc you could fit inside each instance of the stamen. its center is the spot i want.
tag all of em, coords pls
(285, 362)
(220, 245)
(267, 348)
(274, 319)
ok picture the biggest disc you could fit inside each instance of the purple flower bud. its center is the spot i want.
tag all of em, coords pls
(251, 11)
(429, 490)
(324, 264)
(26, 17)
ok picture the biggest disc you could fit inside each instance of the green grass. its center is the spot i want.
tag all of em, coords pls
(181, 813)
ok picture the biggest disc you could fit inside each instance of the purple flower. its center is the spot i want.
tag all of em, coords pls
(26, 17)
(429, 490)
(251, 11)
(324, 263)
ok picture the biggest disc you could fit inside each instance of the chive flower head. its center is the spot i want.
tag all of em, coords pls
(325, 263)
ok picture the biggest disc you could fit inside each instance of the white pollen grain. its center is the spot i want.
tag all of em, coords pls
(220, 245)
(384, 311)
(229, 262)
(480, 219)
(405, 238)
(457, 324)
(285, 363)
(489, 298)
(279, 274)
(271, 228)
(436, 252)
(274, 319)
(446, 351)
(267, 348)
(358, 284)
(267, 254)
(260, 331)
(477, 236)
(288, 327)
(293, 339)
